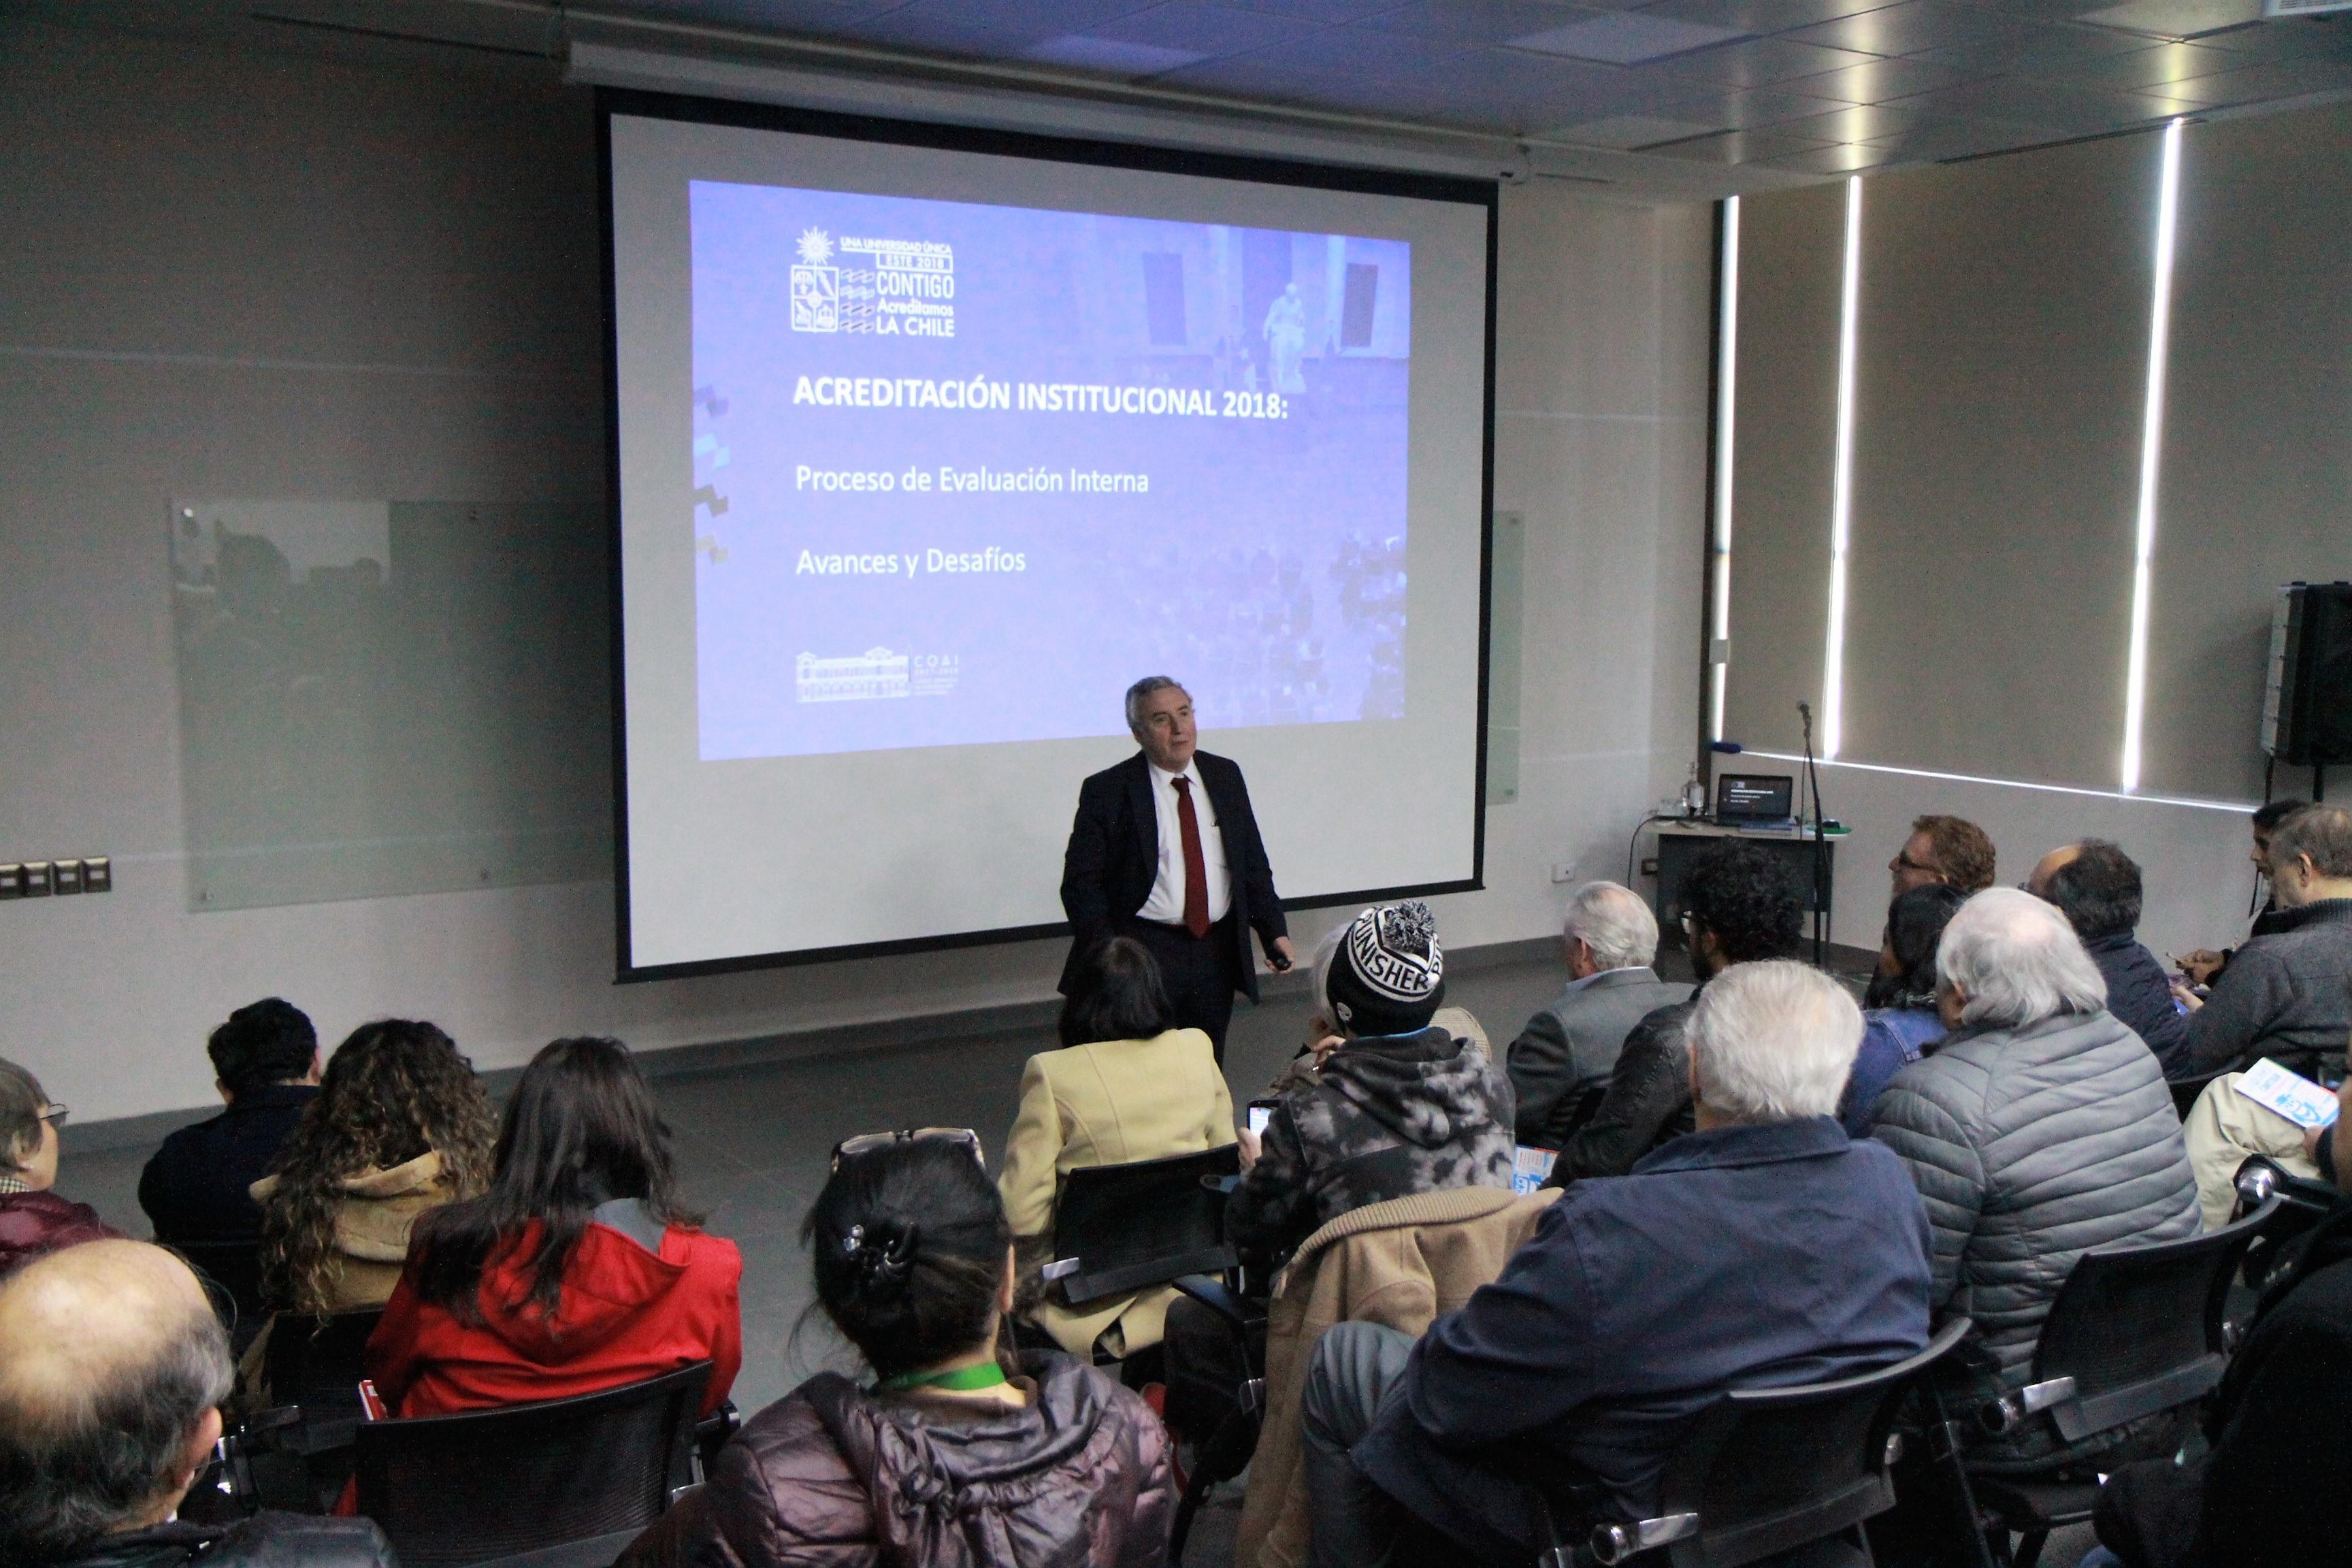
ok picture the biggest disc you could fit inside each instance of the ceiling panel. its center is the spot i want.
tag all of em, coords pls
(1626, 130)
(1876, 82)
(1760, 15)
(1913, 28)
(1734, 109)
(1852, 158)
(1760, 63)
(1467, 23)
(1735, 147)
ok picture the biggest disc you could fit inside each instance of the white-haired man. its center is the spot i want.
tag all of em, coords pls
(2040, 1128)
(1763, 1250)
(1561, 1060)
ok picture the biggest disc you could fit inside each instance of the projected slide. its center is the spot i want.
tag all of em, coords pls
(963, 471)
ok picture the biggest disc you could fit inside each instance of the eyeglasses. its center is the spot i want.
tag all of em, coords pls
(875, 1143)
(55, 1115)
(1903, 858)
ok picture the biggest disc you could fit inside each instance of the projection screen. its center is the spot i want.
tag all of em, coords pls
(928, 442)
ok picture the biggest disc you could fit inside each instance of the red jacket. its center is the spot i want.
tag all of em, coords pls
(33, 1222)
(625, 1315)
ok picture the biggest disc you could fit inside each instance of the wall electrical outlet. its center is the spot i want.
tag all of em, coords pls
(63, 877)
(1563, 870)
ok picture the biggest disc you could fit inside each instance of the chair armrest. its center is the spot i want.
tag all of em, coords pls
(1219, 1299)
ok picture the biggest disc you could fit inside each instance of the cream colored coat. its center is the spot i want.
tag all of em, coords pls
(1402, 1264)
(1109, 1104)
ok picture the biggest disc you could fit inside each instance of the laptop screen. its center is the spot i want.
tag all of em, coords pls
(1755, 797)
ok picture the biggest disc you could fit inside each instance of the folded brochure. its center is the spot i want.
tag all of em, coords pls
(2292, 1096)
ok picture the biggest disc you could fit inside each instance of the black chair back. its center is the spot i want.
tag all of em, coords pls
(315, 1365)
(1769, 1470)
(486, 1484)
(2186, 1090)
(235, 1268)
(2135, 1330)
(1120, 1228)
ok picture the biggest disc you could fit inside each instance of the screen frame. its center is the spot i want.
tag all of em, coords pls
(1144, 157)
(1783, 784)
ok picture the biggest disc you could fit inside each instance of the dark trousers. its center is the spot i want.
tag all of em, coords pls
(1355, 1523)
(1198, 972)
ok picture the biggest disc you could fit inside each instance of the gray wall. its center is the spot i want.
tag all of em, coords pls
(235, 273)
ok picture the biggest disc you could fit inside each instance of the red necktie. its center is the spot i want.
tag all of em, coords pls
(1196, 869)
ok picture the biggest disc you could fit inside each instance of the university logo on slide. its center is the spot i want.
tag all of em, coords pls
(816, 288)
(909, 291)
(876, 672)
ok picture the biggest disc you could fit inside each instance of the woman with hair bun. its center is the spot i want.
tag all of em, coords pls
(956, 1451)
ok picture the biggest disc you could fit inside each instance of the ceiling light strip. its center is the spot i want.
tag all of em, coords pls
(1842, 476)
(1726, 351)
(2152, 452)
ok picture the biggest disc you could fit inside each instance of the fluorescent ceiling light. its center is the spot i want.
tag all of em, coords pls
(2151, 453)
(1727, 371)
(1842, 476)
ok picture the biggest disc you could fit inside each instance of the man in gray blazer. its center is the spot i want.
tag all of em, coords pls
(1561, 1059)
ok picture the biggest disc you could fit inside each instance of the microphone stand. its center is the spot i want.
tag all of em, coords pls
(1820, 844)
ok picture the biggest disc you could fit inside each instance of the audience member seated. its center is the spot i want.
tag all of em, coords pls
(2287, 993)
(2096, 886)
(400, 1126)
(1565, 1053)
(1738, 906)
(33, 1219)
(2040, 1128)
(2278, 1436)
(1951, 851)
(576, 1271)
(1125, 1086)
(2205, 965)
(1899, 1021)
(959, 1454)
(1765, 1249)
(197, 1187)
(1396, 1107)
(112, 1370)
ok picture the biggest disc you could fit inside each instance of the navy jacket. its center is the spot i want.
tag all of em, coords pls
(1735, 1257)
(194, 1187)
(1113, 858)
(2140, 995)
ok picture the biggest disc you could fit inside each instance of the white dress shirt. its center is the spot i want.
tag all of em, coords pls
(1166, 903)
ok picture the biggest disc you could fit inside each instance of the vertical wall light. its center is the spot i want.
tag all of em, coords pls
(1842, 476)
(2152, 451)
(1726, 370)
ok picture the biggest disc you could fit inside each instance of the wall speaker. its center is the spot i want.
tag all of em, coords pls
(2307, 701)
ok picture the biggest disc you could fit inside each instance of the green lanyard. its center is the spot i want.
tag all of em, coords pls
(963, 1380)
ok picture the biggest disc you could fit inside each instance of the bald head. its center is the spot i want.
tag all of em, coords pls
(2049, 866)
(111, 1368)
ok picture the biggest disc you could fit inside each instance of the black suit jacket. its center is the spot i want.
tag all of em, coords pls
(1114, 858)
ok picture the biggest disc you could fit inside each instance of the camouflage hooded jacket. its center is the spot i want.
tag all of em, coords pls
(1388, 1116)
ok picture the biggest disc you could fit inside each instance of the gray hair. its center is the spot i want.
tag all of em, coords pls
(1141, 692)
(1773, 1041)
(1611, 919)
(2322, 832)
(22, 1103)
(2017, 961)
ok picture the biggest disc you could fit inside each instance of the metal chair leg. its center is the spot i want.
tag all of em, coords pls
(2029, 1548)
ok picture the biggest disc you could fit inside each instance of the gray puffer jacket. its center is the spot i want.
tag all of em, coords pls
(2032, 1146)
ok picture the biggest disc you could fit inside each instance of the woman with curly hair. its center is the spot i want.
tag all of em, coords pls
(401, 1125)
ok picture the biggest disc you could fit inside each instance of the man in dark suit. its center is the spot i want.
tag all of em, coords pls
(1165, 849)
(1563, 1059)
